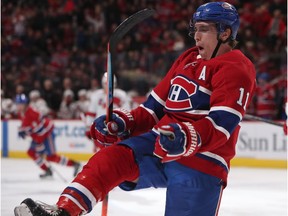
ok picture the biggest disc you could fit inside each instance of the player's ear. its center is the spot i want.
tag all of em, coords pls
(226, 34)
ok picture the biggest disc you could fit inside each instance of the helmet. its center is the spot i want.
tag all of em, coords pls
(21, 99)
(104, 80)
(222, 13)
(68, 92)
(34, 94)
(82, 92)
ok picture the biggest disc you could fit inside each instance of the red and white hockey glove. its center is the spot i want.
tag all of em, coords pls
(108, 132)
(176, 140)
(121, 123)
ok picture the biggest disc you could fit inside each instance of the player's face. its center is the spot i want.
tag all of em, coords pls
(205, 35)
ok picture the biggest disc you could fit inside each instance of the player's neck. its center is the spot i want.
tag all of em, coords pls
(224, 48)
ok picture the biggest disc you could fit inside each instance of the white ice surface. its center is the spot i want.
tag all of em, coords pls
(251, 192)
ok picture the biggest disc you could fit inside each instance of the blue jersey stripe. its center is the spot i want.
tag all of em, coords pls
(225, 119)
(152, 104)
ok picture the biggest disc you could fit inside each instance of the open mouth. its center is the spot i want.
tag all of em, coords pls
(200, 48)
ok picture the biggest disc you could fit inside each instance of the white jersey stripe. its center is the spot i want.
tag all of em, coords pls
(85, 191)
(157, 98)
(198, 112)
(216, 157)
(205, 90)
(75, 201)
(219, 200)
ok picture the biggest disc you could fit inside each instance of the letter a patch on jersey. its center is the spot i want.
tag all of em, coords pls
(180, 94)
(203, 74)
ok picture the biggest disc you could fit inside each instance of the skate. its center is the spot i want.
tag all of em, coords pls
(47, 175)
(76, 168)
(30, 208)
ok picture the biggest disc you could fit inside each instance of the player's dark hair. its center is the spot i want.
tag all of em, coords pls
(232, 43)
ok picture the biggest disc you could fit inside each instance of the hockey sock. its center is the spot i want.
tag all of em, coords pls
(38, 159)
(60, 160)
(104, 171)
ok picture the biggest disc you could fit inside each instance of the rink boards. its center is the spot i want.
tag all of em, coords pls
(259, 144)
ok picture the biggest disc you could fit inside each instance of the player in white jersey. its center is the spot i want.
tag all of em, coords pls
(38, 103)
(98, 99)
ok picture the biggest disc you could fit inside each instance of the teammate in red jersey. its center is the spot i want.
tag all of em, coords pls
(42, 147)
(182, 137)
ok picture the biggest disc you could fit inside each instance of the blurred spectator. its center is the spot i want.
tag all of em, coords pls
(280, 84)
(96, 19)
(56, 40)
(82, 104)
(265, 97)
(51, 96)
(20, 89)
(38, 103)
(8, 107)
(68, 106)
(67, 84)
(276, 28)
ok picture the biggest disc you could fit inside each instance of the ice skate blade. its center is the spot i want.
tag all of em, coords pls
(22, 210)
(46, 178)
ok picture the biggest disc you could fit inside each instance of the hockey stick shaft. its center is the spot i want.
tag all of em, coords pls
(58, 173)
(119, 32)
(257, 118)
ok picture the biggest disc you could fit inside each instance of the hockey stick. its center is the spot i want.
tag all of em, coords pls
(58, 173)
(116, 36)
(257, 118)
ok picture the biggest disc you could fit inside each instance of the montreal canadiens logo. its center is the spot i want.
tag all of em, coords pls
(180, 94)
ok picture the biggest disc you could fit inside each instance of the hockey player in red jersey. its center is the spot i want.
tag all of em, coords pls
(42, 147)
(182, 137)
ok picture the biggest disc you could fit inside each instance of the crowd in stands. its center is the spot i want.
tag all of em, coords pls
(56, 49)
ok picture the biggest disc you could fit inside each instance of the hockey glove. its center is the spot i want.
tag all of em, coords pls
(176, 141)
(22, 134)
(99, 132)
(121, 123)
(119, 126)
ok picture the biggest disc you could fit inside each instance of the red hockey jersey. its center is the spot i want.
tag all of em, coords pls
(212, 95)
(36, 125)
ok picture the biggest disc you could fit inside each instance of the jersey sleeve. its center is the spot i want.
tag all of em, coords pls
(233, 88)
(29, 117)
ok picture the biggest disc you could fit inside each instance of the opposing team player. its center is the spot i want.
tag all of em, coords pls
(40, 129)
(183, 137)
(97, 105)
